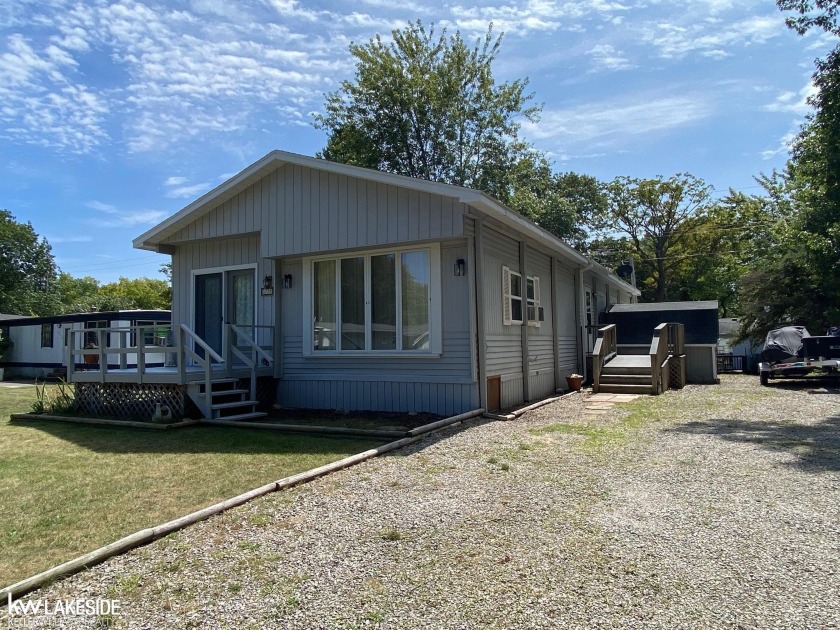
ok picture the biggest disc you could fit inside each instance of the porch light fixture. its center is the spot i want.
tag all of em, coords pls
(287, 281)
(460, 267)
(267, 286)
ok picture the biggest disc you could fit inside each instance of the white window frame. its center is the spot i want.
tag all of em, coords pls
(508, 298)
(435, 310)
(534, 303)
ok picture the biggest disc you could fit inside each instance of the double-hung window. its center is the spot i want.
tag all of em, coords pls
(377, 302)
(518, 308)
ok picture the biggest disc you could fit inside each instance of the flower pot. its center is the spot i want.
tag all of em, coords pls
(574, 383)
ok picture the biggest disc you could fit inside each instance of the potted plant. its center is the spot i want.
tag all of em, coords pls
(5, 346)
(574, 381)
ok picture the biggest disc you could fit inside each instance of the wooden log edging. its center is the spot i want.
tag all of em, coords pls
(513, 415)
(302, 428)
(151, 534)
(102, 422)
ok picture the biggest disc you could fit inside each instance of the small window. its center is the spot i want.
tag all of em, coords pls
(535, 311)
(511, 297)
(46, 335)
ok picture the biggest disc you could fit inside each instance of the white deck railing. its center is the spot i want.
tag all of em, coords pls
(164, 354)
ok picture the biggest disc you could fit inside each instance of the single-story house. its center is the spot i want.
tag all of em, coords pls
(40, 343)
(355, 289)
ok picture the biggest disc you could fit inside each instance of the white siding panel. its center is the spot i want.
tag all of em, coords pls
(301, 210)
(446, 399)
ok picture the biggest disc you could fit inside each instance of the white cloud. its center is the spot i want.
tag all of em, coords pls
(793, 102)
(116, 218)
(69, 239)
(616, 122)
(606, 57)
(674, 40)
(177, 191)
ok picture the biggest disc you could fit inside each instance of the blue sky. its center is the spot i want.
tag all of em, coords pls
(114, 115)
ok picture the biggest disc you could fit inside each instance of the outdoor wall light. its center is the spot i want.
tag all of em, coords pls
(268, 283)
(287, 281)
(460, 267)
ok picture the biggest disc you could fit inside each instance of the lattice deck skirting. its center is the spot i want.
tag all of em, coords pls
(130, 400)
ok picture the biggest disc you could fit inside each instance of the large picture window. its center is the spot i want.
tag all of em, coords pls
(377, 302)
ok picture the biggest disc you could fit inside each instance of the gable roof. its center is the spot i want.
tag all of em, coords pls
(154, 238)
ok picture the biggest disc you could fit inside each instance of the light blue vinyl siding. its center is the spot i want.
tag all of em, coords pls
(300, 210)
(567, 331)
(504, 343)
(540, 338)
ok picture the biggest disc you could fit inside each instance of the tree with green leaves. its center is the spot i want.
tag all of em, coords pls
(654, 215)
(427, 106)
(27, 269)
(143, 293)
(797, 281)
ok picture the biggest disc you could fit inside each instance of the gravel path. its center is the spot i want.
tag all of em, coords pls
(715, 506)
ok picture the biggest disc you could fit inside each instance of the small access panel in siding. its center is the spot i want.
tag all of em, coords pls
(494, 393)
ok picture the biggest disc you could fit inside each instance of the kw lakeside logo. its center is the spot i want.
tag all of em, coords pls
(21, 611)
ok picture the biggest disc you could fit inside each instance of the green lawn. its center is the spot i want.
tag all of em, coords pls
(68, 489)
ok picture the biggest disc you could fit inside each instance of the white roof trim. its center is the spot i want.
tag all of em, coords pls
(153, 238)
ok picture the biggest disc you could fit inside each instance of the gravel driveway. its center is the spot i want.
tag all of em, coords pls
(714, 506)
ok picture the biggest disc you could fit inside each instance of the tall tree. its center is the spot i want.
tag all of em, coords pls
(428, 106)
(653, 215)
(27, 269)
(798, 281)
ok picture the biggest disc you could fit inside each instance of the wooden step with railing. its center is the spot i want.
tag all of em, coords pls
(661, 369)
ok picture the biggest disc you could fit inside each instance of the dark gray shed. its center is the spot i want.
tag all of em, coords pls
(634, 324)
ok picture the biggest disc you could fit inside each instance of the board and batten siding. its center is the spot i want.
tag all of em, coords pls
(438, 384)
(299, 210)
(567, 332)
(215, 254)
(503, 343)
(541, 338)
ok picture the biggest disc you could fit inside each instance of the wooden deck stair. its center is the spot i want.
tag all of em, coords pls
(227, 401)
(626, 374)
